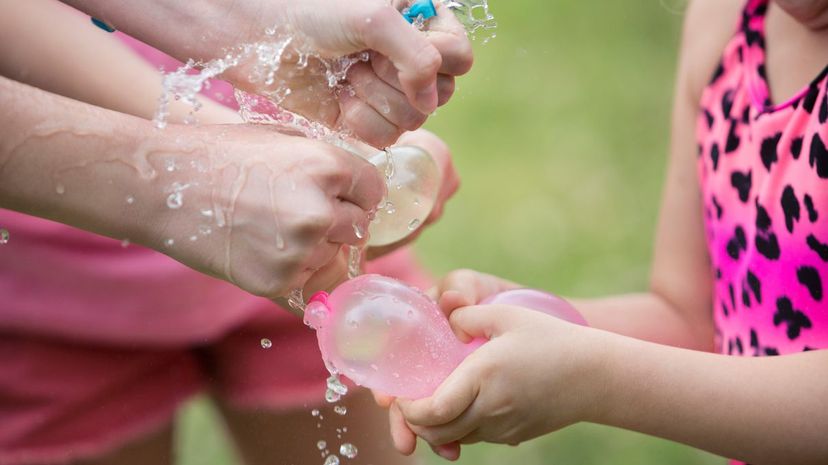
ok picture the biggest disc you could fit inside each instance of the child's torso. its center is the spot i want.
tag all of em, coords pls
(763, 169)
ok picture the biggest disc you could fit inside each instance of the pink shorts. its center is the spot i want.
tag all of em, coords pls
(62, 400)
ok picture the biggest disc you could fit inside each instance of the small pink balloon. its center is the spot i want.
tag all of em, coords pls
(387, 336)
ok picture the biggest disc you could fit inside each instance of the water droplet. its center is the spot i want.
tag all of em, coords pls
(348, 450)
(266, 343)
(169, 242)
(390, 208)
(331, 396)
(332, 460)
(341, 409)
(125, 243)
(205, 230)
(4, 237)
(208, 212)
(60, 189)
(414, 224)
(321, 445)
(335, 389)
(193, 238)
(169, 164)
(175, 200)
(130, 200)
(315, 412)
(358, 232)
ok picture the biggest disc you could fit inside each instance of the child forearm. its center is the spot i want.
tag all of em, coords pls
(645, 316)
(766, 410)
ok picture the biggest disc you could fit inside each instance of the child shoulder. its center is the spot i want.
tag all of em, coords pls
(708, 25)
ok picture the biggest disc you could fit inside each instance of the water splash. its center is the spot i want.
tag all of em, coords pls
(475, 17)
(354, 261)
(335, 389)
(296, 300)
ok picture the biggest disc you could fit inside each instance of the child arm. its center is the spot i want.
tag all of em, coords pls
(61, 51)
(675, 310)
(538, 374)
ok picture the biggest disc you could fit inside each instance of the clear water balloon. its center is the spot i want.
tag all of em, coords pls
(413, 182)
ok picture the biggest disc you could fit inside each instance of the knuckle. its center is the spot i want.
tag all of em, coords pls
(429, 60)
(463, 58)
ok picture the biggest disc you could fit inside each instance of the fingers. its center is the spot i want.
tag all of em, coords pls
(401, 435)
(486, 321)
(450, 451)
(366, 122)
(350, 224)
(385, 70)
(356, 181)
(382, 400)
(451, 399)
(384, 98)
(323, 254)
(415, 58)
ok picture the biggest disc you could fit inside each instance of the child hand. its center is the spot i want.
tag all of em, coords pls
(464, 287)
(536, 374)
(450, 183)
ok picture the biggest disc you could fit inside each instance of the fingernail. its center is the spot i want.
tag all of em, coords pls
(427, 99)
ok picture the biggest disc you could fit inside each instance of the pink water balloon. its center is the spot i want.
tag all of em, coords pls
(387, 336)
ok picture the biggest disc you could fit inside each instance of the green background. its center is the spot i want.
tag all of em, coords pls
(560, 135)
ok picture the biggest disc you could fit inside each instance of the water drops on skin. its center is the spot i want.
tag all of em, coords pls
(321, 445)
(266, 343)
(176, 199)
(60, 189)
(4, 236)
(341, 409)
(358, 231)
(315, 412)
(332, 460)
(414, 224)
(348, 450)
(130, 200)
(169, 242)
(125, 243)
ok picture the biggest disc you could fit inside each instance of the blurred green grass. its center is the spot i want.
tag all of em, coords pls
(560, 135)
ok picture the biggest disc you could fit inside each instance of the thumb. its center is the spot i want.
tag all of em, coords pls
(417, 60)
(483, 321)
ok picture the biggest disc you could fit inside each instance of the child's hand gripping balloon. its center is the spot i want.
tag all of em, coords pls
(390, 337)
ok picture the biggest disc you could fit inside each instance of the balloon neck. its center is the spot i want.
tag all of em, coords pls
(317, 310)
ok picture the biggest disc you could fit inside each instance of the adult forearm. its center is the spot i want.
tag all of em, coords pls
(78, 164)
(195, 29)
(762, 410)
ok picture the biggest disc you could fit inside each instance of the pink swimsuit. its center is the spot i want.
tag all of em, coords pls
(763, 169)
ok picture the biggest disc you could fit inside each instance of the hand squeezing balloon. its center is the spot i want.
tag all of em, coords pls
(390, 337)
